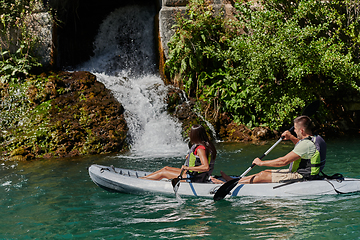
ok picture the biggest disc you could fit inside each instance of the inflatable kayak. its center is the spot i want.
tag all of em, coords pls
(129, 181)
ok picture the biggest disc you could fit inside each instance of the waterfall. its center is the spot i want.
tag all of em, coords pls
(125, 62)
(208, 124)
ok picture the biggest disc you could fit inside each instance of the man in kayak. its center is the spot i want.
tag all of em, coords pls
(306, 160)
(199, 162)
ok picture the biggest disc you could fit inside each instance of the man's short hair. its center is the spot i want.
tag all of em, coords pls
(304, 121)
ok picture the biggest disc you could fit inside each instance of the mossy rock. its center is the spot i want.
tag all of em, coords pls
(65, 114)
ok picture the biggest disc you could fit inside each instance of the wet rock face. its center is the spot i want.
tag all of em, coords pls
(87, 119)
(226, 130)
(184, 111)
(237, 133)
(71, 114)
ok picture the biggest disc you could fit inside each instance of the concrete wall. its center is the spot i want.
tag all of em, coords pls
(39, 26)
(42, 24)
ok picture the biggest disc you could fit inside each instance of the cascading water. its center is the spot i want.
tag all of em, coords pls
(210, 126)
(124, 62)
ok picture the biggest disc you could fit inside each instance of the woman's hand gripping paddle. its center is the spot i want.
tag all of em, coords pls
(176, 181)
(226, 188)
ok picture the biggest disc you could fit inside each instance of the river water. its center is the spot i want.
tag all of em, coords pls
(55, 199)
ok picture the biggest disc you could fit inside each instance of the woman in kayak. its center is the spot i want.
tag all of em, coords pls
(199, 162)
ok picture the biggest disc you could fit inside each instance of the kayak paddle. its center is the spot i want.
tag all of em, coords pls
(176, 182)
(228, 186)
(311, 108)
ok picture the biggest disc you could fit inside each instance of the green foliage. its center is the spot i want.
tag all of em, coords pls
(276, 59)
(24, 123)
(192, 47)
(13, 105)
(17, 41)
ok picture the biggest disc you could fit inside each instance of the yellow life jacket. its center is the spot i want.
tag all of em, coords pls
(194, 160)
(309, 168)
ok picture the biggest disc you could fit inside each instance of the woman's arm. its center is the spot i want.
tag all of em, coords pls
(204, 167)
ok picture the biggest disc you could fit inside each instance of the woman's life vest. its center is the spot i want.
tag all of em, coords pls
(310, 168)
(193, 160)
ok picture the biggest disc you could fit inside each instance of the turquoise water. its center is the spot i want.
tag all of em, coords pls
(55, 199)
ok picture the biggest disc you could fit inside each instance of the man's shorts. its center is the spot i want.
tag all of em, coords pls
(281, 175)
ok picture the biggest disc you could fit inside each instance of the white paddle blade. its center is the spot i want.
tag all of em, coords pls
(176, 187)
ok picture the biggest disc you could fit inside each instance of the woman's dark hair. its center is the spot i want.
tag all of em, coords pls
(198, 136)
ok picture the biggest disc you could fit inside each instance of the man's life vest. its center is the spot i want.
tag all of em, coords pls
(193, 160)
(310, 168)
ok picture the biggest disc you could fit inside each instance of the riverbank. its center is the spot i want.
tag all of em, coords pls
(67, 114)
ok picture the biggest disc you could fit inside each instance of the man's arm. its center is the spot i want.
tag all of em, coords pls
(279, 162)
(288, 136)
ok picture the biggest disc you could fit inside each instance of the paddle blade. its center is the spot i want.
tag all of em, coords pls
(175, 182)
(225, 189)
(311, 108)
(176, 187)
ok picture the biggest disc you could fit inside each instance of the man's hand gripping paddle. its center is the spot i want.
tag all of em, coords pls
(226, 188)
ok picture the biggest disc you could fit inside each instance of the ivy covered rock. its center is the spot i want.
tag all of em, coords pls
(58, 115)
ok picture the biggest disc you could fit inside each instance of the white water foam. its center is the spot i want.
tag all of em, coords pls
(124, 62)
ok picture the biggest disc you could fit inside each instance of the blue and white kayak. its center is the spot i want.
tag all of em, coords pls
(129, 181)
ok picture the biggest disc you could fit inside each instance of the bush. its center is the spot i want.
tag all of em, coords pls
(17, 42)
(263, 67)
